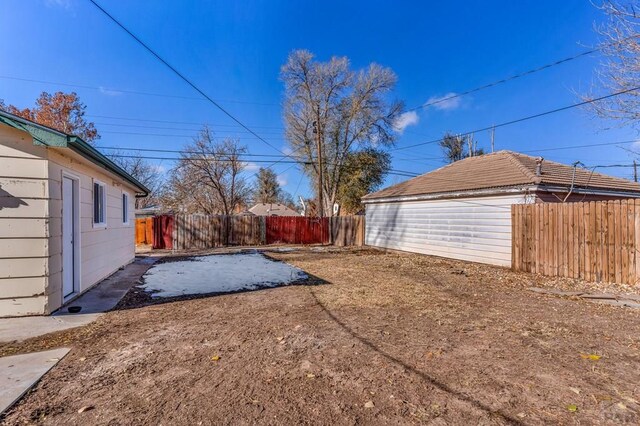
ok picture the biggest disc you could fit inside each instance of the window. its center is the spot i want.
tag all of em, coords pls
(99, 204)
(125, 208)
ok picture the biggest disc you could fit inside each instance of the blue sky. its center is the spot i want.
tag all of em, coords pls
(233, 50)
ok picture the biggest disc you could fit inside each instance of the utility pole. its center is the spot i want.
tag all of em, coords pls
(493, 137)
(635, 171)
(316, 130)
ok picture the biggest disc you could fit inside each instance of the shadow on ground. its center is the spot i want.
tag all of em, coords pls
(497, 414)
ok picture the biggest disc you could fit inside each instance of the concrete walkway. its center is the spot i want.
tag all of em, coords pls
(19, 373)
(18, 329)
(101, 298)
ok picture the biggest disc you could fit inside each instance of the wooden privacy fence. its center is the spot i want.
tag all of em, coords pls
(210, 231)
(347, 230)
(144, 231)
(163, 232)
(296, 230)
(594, 241)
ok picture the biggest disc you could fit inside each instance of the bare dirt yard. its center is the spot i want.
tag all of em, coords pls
(381, 338)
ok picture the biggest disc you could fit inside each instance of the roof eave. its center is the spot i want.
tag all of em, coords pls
(90, 153)
(591, 191)
(504, 190)
(454, 194)
(48, 137)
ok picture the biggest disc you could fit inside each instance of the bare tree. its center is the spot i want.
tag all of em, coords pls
(458, 147)
(620, 70)
(330, 111)
(146, 173)
(208, 177)
(183, 194)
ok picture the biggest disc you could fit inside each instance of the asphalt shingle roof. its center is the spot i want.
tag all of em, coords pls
(500, 170)
(272, 209)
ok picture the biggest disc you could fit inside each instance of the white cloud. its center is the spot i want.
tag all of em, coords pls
(444, 103)
(65, 4)
(405, 120)
(109, 92)
(251, 167)
(282, 180)
(159, 168)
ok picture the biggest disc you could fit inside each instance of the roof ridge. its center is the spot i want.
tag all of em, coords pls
(513, 157)
(591, 170)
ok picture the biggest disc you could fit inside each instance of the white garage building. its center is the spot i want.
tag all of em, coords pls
(66, 217)
(463, 210)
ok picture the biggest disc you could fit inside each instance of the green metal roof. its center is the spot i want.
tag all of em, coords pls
(46, 136)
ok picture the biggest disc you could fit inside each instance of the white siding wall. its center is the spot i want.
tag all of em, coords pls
(476, 229)
(24, 251)
(102, 249)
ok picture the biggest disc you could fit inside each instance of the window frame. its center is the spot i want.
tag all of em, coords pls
(102, 205)
(125, 208)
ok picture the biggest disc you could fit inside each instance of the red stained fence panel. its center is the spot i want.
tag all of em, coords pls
(296, 230)
(163, 232)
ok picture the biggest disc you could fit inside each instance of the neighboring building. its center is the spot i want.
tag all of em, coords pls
(66, 217)
(272, 209)
(145, 212)
(463, 210)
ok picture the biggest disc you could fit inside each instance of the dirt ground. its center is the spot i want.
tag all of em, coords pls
(380, 338)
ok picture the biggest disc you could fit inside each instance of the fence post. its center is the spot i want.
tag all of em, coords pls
(514, 237)
(636, 243)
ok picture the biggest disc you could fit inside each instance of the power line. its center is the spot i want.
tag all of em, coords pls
(223, 160)
(176, 151)
(505, 80)
(300, 160)
(397, 172)
(177, 122)
(519, 120)
(178, 128)
(132, 92)
(112, 132)
(295, 193)
(516, 76)
(185, 79)
(558, 148)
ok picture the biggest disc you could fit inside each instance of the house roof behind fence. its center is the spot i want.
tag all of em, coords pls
(272, 209)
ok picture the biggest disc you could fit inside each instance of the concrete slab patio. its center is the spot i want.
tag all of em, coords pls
(19, 373)
(101, 298)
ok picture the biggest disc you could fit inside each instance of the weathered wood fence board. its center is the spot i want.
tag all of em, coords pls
(245, 230)
(144, 231)
(208, 231)
(347, 230)
(594, 241)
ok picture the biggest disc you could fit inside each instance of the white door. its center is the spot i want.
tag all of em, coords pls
(68, 240)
